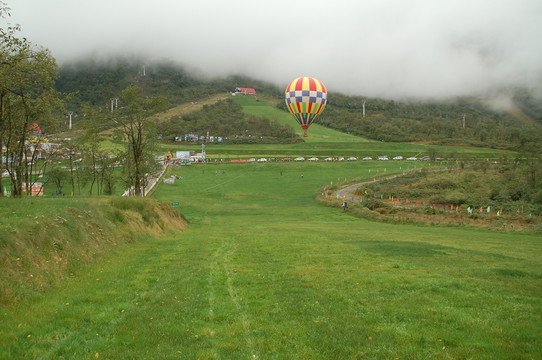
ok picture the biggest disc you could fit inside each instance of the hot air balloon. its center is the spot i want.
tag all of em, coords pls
(305, 97)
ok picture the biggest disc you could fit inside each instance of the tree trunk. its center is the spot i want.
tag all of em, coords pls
(137, 177)
(2, 114)
(1, 166)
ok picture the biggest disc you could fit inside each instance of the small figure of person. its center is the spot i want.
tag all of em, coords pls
(345, 205)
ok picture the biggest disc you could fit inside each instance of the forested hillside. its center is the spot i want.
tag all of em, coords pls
(96, 82)
(469, 121)
(474, 121)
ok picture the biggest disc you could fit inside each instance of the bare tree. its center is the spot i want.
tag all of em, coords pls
(133, 118)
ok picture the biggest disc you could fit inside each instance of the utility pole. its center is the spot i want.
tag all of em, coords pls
(114, 103)
(363, 108)
(70, 113)
(464, 120)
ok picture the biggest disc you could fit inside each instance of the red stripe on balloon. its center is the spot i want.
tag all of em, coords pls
(299, 84)
(312, 84)
(291, 108)
(319, 109)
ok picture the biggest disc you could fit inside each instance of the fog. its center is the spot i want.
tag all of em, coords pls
(393, 48)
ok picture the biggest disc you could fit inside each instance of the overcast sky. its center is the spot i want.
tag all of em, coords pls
(390, 48)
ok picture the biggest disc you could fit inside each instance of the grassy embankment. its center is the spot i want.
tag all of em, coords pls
(44, 241)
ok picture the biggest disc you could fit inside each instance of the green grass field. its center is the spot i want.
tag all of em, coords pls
(264, 272)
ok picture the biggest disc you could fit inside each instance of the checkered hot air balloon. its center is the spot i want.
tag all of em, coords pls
(305, 97)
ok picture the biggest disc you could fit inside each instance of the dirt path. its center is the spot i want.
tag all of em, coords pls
(345, 192)
(189, 107)
(181, 109)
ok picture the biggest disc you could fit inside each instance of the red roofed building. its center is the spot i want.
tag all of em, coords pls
(249, 91)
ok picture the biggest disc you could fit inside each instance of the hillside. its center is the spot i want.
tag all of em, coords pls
(466, 121)
(96, 82)
(512, 119)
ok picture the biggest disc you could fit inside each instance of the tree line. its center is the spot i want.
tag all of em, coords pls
(27, 97)
(31, 106)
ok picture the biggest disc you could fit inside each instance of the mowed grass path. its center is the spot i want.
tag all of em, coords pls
(264, 272)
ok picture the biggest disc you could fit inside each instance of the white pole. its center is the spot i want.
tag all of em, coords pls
(70, 113)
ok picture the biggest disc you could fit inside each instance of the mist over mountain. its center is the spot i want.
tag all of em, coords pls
(388, 49)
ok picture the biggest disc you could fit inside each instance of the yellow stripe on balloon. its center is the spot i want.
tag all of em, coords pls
(318, 85)
(306, 85)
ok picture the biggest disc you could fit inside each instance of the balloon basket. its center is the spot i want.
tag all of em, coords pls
(305, 133)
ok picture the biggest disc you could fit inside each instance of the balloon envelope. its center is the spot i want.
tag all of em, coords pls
(306, 98)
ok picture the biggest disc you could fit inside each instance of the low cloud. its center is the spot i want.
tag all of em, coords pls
(420, 48)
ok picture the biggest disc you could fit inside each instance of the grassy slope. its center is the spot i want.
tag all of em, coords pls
(265, 272)
(323, 142)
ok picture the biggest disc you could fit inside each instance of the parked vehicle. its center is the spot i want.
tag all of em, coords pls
(383, 158)
(262, 160)
(398, 157)
(367, 158)
(299, 158)
(412, 158)
(313, 159)
(352, 158)
(340, 159)
(328, 159)
(425, 158)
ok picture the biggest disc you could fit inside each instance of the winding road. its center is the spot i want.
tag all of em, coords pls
(347, 190)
